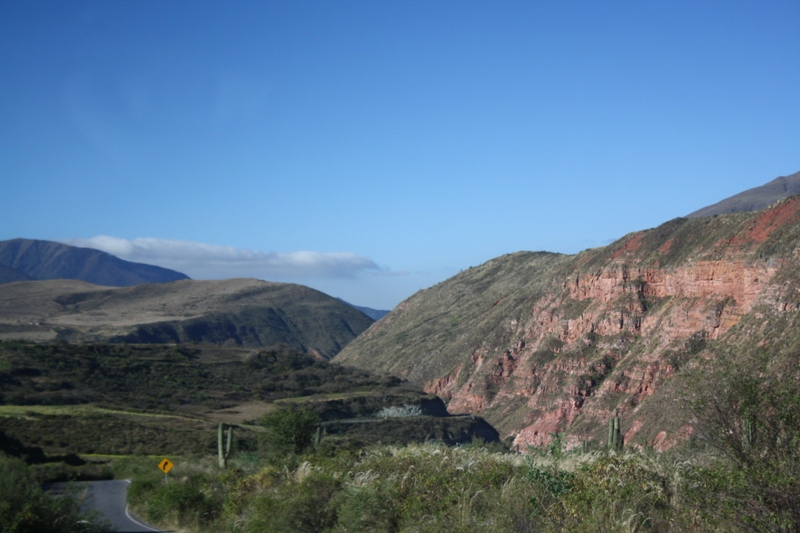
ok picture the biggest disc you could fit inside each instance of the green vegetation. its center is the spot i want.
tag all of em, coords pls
(184, 384)
(748, 413)
(146, 399)
(739, 474)
(26, 508)
(434, 488)
(615, 438)
(224, 453)
(116, 434)
(110, 402)
(158, 377)
(308, 466)
(288, 430)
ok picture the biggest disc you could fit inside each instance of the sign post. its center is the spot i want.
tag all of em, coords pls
(165, 466)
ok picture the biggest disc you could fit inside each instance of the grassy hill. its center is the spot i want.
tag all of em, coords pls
(419, 340)
(237, 312)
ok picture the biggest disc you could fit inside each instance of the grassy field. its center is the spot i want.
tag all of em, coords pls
(72, 410)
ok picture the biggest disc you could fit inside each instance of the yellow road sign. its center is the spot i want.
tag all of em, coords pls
(165, 465)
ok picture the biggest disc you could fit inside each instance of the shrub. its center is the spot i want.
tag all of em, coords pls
(289, 430)
(302, 505)
(374, 507)
(748, 413)
(190, 502)
(25, 508)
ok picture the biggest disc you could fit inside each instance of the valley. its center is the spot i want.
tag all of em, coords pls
(535, 392)
(150, 399)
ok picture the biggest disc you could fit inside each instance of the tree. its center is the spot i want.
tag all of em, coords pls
(748, 412)
(289, 429)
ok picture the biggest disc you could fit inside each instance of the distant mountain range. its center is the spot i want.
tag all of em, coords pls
(10, 275)
(753, 199)
(56, 291)
(374, 314)
(27, 259)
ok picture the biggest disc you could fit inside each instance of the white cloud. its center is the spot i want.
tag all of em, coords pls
(208, 261)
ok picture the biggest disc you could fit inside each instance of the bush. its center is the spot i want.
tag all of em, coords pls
(375, 507)
(302, 505)
(25, 508)
(289, 430)
(618, 494)
(748, 414)
(190, 502)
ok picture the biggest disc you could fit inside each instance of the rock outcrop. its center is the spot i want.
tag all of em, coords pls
(542, 343)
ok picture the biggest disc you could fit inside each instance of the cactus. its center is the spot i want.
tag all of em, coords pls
(748, 428)
(615, 438)
(223, 456)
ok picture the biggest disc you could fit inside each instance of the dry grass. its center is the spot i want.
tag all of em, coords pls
(243, 312)
(241, 413)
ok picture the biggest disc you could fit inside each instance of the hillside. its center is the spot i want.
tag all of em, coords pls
(100, 398)
(42, 260)
(753, 199)
(538, 343)
(238, 312)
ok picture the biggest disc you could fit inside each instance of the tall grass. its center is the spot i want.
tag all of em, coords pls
(435, 488)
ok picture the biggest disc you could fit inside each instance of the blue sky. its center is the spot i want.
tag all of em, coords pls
(373, 148)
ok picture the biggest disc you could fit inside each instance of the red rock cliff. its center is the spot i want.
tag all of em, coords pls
(541, 343)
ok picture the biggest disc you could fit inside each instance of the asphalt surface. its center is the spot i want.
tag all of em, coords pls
(108, 497)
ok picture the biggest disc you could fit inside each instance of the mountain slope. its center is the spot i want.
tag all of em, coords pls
(242, 312)
(753, 199)
(538, 343)
(51, 260)
(10, 275)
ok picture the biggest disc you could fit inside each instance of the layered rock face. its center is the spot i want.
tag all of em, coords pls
(544, 343)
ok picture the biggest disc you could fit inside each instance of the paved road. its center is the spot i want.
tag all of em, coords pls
(108, 497)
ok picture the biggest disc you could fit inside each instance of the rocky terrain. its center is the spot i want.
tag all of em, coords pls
(235, 312)
(539, 343)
